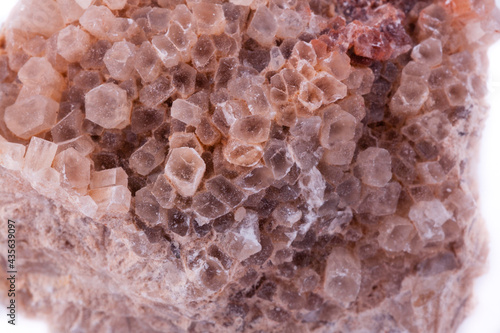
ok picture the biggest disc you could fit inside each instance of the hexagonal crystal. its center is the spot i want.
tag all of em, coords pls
(31, 116)
(185, 169)
(108, 106)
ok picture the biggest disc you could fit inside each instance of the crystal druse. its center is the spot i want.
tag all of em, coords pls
(244, 165)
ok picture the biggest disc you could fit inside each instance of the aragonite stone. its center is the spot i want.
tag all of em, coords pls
(243, 165)
(108, 106)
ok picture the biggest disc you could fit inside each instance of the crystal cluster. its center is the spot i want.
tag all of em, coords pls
(245, 165)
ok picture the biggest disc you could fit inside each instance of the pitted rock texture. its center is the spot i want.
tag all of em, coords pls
(244, 165)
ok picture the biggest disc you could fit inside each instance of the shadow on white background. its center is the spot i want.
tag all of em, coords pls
(485, 318)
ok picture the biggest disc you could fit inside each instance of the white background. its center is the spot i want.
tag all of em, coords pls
(485, 318)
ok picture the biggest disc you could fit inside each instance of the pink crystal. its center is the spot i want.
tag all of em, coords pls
(30, 116)
(74, 168)
(108, 106)
(234, 166)
(185, 170)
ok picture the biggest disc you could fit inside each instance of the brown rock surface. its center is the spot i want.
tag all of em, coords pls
(244, 166)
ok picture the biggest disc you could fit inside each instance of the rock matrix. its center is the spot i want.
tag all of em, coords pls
(244, 165)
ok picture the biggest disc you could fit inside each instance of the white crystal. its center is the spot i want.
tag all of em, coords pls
(185, 169)
(429, 217)
(39, 155)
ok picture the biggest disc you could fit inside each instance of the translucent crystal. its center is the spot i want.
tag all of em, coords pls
(431, 172)
(409, 97)
(203, 52)
(166, 50)
(225, 45)
(209, 18)
(112, 199)
(178, 222)
(85, 4)
(257, 101)
(206, 132)
(208, 206)
(429, 217)
(44, 180)
(338, 64)
(457, 93)
(380, 201)
(227, 113)
(93, 59)
(332, 88)
(11, 155)
(182, 39)
(186, 112)
(310, 96)
(290, 24)
(251, 129)
(119, 60)
(87, 80)
(30, 116)
(244, 242)
(263, 26)
(108, 177)
(74, 168)
(115, 4)
(108, 106)
(36, 17)
(277, 60)
(304, 147)
(147, 157)
(40, 78)
(303, 51)
(70, 127)
(428, 52)
(180, 139)
(278, 158)
(256, 180)
(83, 144)
(213, 277)
(184, 79)
(164, 192)
(185, 169)
(396, 233)
(436, 124)
(416, 69)
(286, 214)
(156, 92)
(98, 20)
(339, 153)
(146, 206)
(72, 43)
(337, 125)
(360, 80)
(241, 2)
(225, 191)
(244, 152)
(87, 206)
(39, 155)
(343, 276)
(241, 153)
(130, 86)
(123, 28)
(145, 119)
(182, 15)
(239, 214)
(375, 166)
(158, 19)
(146, 62)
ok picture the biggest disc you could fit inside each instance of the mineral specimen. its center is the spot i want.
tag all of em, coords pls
(244, 165)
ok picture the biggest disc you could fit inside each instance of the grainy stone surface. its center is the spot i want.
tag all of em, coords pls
(244, 165)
